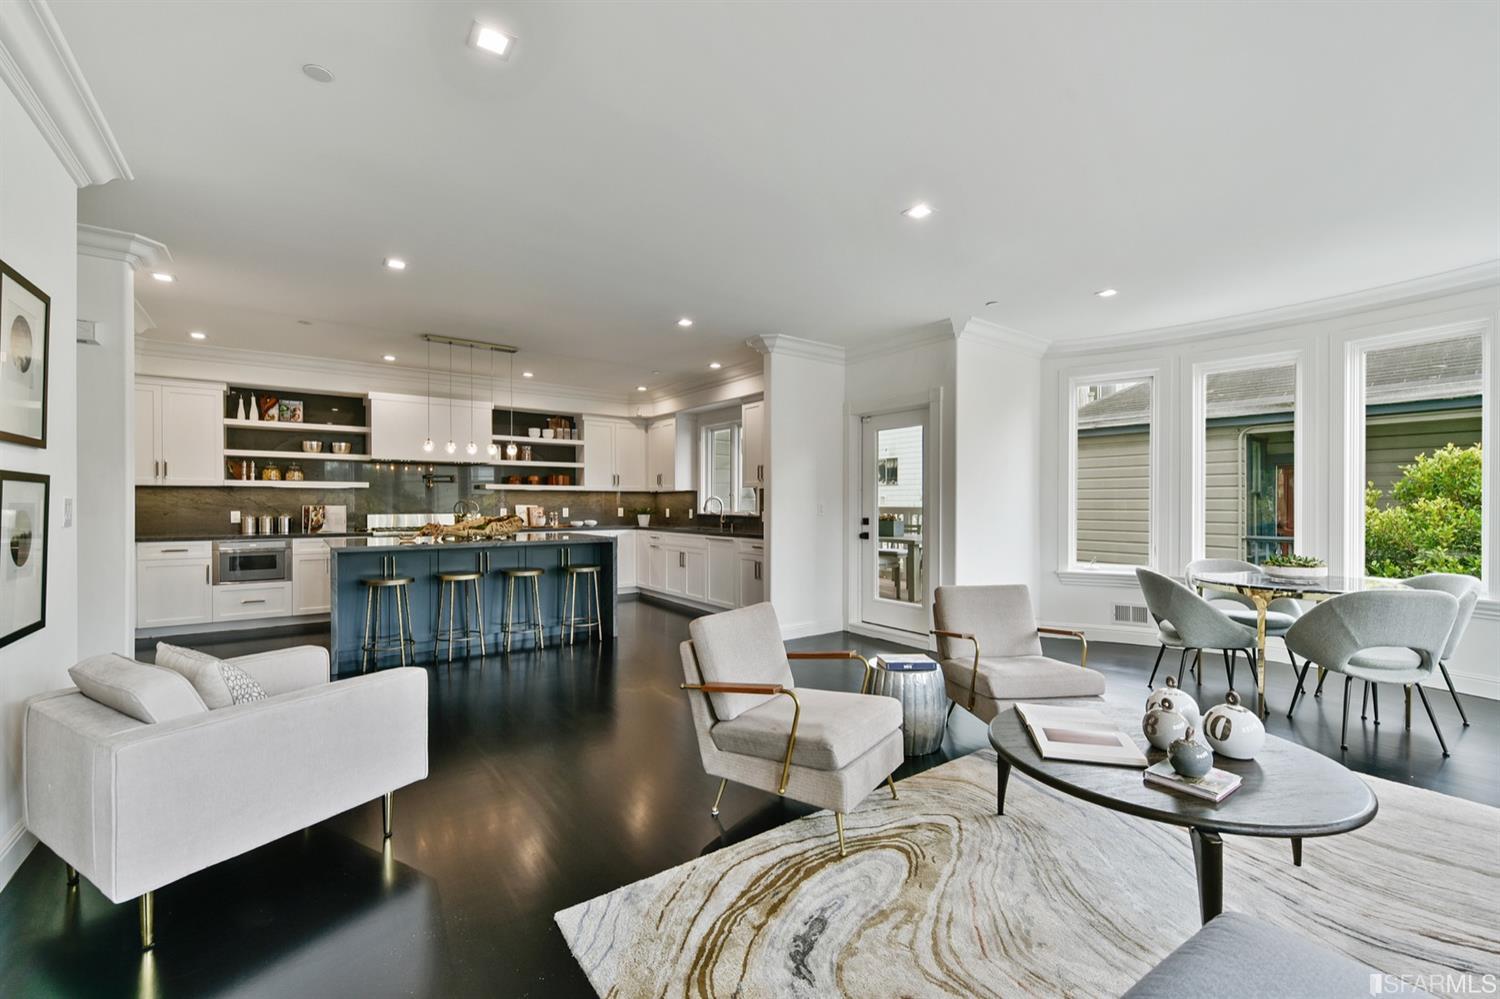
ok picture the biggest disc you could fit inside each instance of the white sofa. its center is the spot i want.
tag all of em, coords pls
(133, 806)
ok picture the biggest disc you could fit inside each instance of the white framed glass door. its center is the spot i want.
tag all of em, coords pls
(893, 510)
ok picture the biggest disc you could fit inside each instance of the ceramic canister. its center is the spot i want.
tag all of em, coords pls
(1182, 703)
(1163, 724)
(1234, 730)
(1190, 757)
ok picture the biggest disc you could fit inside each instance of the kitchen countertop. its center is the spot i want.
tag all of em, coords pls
(521, 540)
(713, 532)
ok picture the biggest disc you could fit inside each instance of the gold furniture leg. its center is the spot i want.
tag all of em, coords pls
(1262, 600)
(536, 611)
(510, 608)
(72, 876)
(479, 615)
(148, 920)
(598, 610)
(714, 811)
(838, 818)
(364, 652)
(386, 804)
(890, 780)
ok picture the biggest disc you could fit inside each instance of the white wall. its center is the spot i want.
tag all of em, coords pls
(106, 449)
(1330, 510)
(805, 485)
(38, 238)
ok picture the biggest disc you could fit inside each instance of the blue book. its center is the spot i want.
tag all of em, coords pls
(907, 662)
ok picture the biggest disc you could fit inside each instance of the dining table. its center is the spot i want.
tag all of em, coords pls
(1262, 587)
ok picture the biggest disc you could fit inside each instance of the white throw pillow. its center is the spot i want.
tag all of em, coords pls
(220, 684)
(146, 693)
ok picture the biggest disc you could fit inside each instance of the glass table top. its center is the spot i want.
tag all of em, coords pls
(1259, 580)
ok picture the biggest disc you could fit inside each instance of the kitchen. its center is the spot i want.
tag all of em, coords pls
(242, 485)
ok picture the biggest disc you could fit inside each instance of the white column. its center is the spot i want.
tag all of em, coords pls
(107, 262)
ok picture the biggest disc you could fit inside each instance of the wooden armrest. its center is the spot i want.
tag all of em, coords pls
(974, 673)
(951, 634)
(1083, 659)
(864, 687)
(736, 688)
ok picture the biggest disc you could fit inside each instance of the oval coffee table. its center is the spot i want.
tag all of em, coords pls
(1288, 792)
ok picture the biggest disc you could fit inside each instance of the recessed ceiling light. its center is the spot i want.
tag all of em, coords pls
(640, 388)
(163, 277)
(315, 72)
(197, 335)
(395, 263)
(684, 322)
(491, 40)
(918, 211)
(714, 365)
(526, 374)
(389, 357)
(1107, 293)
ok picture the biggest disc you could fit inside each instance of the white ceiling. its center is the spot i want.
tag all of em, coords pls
(745, 164)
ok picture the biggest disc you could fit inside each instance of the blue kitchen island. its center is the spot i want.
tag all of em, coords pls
(353, 559)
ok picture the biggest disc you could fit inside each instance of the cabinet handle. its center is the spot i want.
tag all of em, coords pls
(259, 601)
(164, 468)
(174, 551)
(206, 577)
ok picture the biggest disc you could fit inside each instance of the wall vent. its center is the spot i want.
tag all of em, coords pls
(1131, 614)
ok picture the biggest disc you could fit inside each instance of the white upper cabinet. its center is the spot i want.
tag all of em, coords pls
(179, 433)
(614, 454)
(753, 442)
(661, 454)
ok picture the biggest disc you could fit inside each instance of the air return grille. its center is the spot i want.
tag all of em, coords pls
(1130, 614)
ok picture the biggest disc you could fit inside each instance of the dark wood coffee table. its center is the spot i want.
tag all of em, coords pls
(1288, 792)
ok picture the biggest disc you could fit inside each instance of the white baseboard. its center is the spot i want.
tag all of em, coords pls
(15, 848)
(896, 635)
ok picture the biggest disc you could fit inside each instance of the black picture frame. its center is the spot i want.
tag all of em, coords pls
(23, 562)
(13, 289)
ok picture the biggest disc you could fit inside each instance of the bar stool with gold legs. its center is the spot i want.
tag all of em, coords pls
(532, 623)
(591, 619)
(449, 584)
(377, 613)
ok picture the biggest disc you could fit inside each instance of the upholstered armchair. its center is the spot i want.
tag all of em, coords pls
(1187, 621)
(1466, 589)
(1007, 664)
(756, 727)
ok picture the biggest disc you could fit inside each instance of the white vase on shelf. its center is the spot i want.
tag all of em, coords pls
(240, 412)
(254, 408)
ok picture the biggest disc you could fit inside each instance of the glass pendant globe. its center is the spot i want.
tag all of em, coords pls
(511, 451)
(471, 448)
(450, 447)
(427, 444)
(493, 449)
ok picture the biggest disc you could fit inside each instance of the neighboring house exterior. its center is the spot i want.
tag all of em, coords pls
(1417, 400)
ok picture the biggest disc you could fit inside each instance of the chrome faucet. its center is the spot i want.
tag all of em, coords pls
(715, 499)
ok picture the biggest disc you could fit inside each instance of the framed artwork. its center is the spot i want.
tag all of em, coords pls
(25, 322)
(23, 554)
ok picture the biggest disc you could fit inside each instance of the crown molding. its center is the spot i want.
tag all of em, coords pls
(692, 384)
(929, 335)
(140, 252)
(791, 346)
(38, 66)
(1478, 276)
(993, 334)
(143, 321)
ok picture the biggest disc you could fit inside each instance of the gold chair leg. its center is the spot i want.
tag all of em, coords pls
(890, 779)
(387, 803)
(148, 920)
(598, 613)
(714, 811)
(838, 818)
(364, 651)
(510, 609)
(73, 871)
(401, 626)
(452, 594)
(536, 610)
(479, 615)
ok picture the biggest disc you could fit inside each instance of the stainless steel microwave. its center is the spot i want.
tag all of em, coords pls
(252, 561)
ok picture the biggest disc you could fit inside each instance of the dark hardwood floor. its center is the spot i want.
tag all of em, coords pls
(555, 777)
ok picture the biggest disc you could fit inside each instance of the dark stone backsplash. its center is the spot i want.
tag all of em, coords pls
(164, 511)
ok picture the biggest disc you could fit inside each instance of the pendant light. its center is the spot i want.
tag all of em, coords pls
(471, 448)
(427, 444)
(510, 448)
(491, 448)
(451, 446)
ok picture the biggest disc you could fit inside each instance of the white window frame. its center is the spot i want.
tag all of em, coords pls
(737, 464)
(1198, 460)
(1070, 469)
(1353, 494)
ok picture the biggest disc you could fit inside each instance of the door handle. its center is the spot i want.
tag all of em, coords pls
(864, 535)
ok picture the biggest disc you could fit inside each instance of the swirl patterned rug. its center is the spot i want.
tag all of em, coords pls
(941, 897)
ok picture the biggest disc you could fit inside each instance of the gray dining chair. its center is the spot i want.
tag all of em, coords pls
(1466, 589)
(1186, 621)
(1379, 636)
(1280, 613)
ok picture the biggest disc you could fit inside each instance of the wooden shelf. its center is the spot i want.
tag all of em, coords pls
(296, 455)
(306, 428)
(304, 484)
(502, 487)
(522, 439)
(518, 463)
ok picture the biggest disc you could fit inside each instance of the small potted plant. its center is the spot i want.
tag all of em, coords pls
(1295, 567)
(643, 516)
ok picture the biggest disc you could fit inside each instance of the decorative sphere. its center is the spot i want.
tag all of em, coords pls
(1182, 703)
(1234, 730)
(1190, 757)
(1163, 724)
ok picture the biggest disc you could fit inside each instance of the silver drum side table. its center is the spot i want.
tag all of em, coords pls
(924, 705)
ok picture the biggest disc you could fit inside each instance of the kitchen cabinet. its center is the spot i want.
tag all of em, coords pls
(751, 558)
(661, 455)
(179, 433)
(656, 566)
(242, 601)
(614, 454)
(723, 572)
(753, 443)
(311, 585)
(626, 552)
(173, 584)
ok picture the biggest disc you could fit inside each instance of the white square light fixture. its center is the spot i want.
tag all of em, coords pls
(491, 40)
(395, 264)
(163, 277)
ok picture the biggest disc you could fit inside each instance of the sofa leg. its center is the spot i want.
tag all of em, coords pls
(890, 780)
(838, 818)
(714, 811)
(72, 876)
(386, 804)
(148, 920)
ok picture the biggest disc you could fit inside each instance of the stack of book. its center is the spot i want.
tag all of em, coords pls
(906, 662)
(1214, 786)
(1079, 734)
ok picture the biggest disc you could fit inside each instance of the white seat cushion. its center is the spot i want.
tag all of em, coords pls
(1276, 622)
(1382, 657)
(1022, 678)
(836, 728)
(146, 693)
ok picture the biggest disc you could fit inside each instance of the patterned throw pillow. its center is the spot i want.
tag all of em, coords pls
(242, 686)
(220, 684)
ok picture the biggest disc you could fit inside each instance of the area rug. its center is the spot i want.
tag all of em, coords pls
(939, 896)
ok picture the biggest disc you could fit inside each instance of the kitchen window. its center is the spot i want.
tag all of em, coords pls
(721, 470)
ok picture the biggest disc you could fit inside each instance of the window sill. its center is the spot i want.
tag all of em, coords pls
(1097, 577)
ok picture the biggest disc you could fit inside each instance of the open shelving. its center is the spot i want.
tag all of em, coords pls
(296, 484)
(306, 428)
